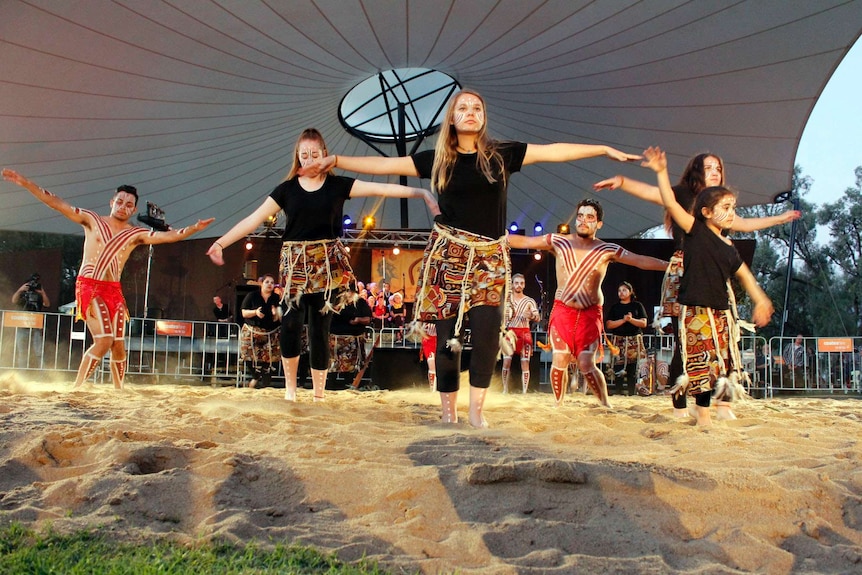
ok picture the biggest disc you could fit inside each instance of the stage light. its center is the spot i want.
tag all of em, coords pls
(513, 227)
(396, 250)
(248, 245)
(347, 249)
(347, 221)
(537, 256)
(271, 221)
(563, 228)
(538, 228)
(368, 222)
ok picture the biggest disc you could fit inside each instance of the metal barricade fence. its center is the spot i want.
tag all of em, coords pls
(207, 351)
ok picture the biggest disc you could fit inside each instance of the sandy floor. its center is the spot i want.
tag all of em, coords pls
(575, 489)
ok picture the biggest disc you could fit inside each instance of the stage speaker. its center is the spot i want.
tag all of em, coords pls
(397, 368)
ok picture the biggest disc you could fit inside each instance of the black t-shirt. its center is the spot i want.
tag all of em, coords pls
(619, 311)
(709, 263)
(341, 321)
(470, 202)
(254, 300)
(316, 215)
(222, 314)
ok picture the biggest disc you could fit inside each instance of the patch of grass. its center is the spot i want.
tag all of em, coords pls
(23, 551)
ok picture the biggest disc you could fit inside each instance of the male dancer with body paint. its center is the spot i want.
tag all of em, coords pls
(521, 309)
(108, 243)
(575, 326)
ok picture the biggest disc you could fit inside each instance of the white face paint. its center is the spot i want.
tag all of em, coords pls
(518, 285)
(469, 114)
(587, 221)
(309, 152)
(723, 212)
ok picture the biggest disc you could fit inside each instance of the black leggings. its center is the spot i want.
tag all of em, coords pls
(485, 334)
(318, 330)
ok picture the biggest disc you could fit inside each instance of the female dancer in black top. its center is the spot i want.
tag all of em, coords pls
(314, 265)
(466, 262)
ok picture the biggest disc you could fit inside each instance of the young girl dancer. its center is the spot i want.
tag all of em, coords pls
(708, 327)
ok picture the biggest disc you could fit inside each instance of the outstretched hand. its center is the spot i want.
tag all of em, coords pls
(655, 159)
(13, 176)
(609, 184)
(762, 313)
(215, 254)
(790, 215)
(321, 166)
(619, 156)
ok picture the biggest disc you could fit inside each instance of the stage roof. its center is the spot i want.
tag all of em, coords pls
(198, 104)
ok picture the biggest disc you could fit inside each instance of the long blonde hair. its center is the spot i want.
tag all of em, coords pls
(307, 134)
(446, 149)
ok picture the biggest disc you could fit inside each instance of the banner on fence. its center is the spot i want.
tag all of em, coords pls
(23, 319)
(835, 344)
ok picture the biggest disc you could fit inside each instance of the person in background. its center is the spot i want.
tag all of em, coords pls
(259, 338)
(222, 315)
(347, 335)
(108, 243)
(521, 309)
(396, 315)
(626, 321)
(794, 356)
(30, 297)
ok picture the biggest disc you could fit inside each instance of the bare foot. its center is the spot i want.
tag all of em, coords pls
(703, 417)
(680, 413)
(290, 395)
(478, 423)
(723, 412)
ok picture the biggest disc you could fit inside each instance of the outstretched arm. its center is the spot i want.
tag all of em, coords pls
(656, 160)
(362, 189)
(247, 225)
(762, 306)
(376, 165)
(172, 236)
(570, 152)
(636, 188)
(754, 224)
(642, 262)
(44, 196)
(520, 242)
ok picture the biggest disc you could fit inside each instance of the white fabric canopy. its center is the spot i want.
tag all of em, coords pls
(198, 103)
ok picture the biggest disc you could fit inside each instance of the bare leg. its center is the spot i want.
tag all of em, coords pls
(477, 402)
(525, 374)
(290, 366)
(507, 369)
(432, 372)
(449, 401)
(318, 382)
(593, 375)
(99, 324)
(703, 417)
(723, 411)
(559, 382)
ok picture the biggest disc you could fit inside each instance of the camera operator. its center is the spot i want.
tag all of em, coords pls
(29, 297)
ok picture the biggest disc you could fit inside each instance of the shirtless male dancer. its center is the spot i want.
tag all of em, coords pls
(520, 311)
(108, 243)
(575, 326)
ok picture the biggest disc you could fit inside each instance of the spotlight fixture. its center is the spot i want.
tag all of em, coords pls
(248, 245)
(513, 227)
(537, 256)
(538, 228)
(396, 250)
(347, 221)
(271, 221)
(563, 228)
(368, 222)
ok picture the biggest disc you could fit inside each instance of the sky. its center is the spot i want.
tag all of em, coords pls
(831, 144)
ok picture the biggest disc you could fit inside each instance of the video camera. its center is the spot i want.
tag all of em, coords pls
(32, 299)
(155, 218)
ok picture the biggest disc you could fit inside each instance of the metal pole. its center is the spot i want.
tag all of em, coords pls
(401, 146)
(789, 275)
(147, 288)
